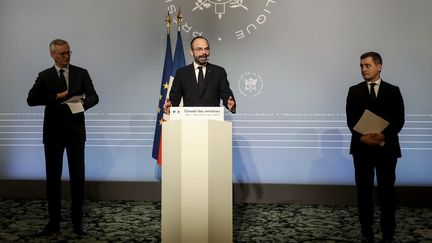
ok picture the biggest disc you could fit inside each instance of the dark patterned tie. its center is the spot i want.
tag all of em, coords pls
(372, 92)
(62, 80)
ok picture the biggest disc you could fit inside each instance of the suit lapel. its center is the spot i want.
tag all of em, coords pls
(191, 80)
(381, 93)
(382, 89)
(364, 92)
(54, 76)
(71, 77)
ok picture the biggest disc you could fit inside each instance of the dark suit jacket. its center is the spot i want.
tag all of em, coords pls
(388, 105)
(215, 87)
(60, 125)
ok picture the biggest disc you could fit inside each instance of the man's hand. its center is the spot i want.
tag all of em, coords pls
(61, 95)
(373, 139)
(231, 104)
(167, 106)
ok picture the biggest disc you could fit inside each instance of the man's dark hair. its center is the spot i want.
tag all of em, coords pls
(376, 57)
(198, 37)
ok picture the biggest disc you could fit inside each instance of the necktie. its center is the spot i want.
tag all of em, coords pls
(62, 80)
(372, 92)
(200, 75)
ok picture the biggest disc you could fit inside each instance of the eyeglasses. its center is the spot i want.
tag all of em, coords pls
(200, 50)
(66, 53)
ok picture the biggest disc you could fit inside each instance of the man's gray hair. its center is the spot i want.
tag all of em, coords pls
(57, 42)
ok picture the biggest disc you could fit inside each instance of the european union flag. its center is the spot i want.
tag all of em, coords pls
(166, 75)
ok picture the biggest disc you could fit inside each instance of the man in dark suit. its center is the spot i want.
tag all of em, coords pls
(201, 83)
(63, 130)
(375, 152)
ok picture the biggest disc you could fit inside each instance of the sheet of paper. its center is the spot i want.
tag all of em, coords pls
(370, 123)
(75, 107)
(75, 104)
(74, 99)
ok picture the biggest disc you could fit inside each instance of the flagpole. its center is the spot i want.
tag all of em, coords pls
(179, 58)
(179, 19)
(168, 23)
(166, 73)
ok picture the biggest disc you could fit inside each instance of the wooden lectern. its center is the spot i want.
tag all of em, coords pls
(197, 181)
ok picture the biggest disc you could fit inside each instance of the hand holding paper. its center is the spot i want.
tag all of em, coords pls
(75, 104)
(370, 123)
(371, 126)
(373, 139)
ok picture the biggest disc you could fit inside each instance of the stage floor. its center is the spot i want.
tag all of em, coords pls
(139, 221)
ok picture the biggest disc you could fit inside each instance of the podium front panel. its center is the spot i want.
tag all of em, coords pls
(197, 181)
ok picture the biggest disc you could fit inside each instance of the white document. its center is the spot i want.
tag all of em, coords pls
(75, 104)
(370, 123)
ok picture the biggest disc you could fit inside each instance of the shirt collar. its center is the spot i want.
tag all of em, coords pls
(66, 69)
(378, 82)
(196, 65)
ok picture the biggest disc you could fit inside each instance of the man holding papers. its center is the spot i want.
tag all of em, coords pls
(375, 116)
(65, 91)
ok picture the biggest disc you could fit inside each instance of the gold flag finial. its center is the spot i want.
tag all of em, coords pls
(168, 22)
(179, 19)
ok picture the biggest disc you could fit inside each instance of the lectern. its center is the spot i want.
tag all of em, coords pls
(197, 181)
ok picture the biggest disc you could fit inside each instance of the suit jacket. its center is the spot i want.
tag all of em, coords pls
(388, 105)
(214, 88)
(60, 125)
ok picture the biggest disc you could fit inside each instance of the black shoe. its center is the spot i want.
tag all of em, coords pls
(368, 239)
(367, 235)
(77, 229)
(385, 240)
(50, 228)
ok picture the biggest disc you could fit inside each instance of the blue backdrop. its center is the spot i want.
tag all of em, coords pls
(289, 63)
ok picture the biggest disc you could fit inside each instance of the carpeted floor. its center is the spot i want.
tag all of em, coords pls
(139, 221)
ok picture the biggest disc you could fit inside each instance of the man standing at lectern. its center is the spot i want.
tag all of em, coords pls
(375, 152)
(201, 83)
